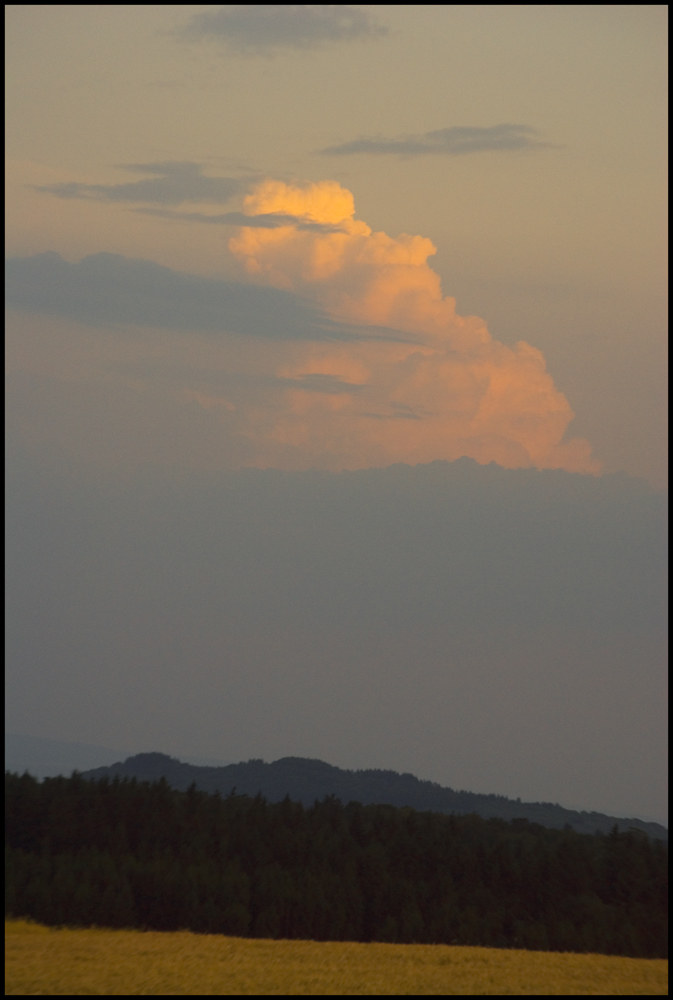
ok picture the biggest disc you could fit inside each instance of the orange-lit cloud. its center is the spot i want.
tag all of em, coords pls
(444, 389)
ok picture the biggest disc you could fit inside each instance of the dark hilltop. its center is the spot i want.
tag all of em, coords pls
(307, 781)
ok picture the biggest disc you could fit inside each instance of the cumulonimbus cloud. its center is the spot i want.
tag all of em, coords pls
(170, 183)
(455, 141)
(444, 389)
(262, 29)
(372, 363)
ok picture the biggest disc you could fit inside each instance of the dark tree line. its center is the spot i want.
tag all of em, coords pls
(129, 854)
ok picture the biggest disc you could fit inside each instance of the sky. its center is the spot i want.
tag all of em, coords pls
(326, 240)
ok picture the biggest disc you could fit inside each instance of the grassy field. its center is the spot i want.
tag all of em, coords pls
(92, 962)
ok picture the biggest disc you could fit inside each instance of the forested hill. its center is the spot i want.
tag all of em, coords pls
(305, 780)
(124, 853)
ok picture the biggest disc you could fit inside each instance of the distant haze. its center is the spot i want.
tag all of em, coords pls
(493, 630)
(47, 758)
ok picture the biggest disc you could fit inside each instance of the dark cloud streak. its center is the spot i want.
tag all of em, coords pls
(109, 289)
(260, 29)
(262, 221)
(456, 141)
(172, 183)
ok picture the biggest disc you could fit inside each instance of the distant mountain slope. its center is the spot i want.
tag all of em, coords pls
(306, 780)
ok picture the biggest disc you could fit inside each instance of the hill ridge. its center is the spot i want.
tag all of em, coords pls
(298, 778)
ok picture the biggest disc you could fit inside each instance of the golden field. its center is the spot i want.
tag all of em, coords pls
(45, 961)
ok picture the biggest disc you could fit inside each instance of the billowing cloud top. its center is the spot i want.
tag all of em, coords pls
(261, 29)
(449, 390)
(456, 141)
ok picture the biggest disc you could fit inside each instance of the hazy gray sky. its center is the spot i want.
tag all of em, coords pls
(490, 629)
(326, 237)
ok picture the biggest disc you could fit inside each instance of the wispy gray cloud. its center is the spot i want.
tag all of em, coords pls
(220, 379)
(393, 416)
(263, 221)
(261, 29)
(401, 411)
(456, 141)
(317, 382)
(109, 289)
(170, 183)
